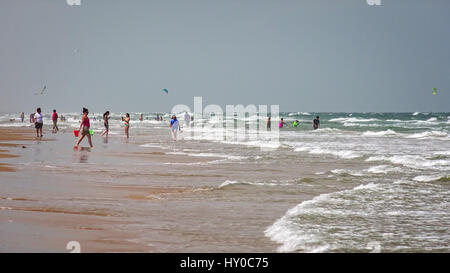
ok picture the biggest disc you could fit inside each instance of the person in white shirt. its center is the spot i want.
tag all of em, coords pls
(38, 122)
(187, 119)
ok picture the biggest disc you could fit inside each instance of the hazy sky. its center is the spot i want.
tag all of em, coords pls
(305, 55)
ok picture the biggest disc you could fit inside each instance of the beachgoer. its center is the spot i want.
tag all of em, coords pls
(141, 117)
(106, 123)
(316, 123)
(295, 123)
(281, 123)
(84, 129)
(269, 122)
(127, 123)
(174, 127)
(32, 118)
(187, 119)
(38, 122)
(22, 116)
(55, 121)
(157, 117)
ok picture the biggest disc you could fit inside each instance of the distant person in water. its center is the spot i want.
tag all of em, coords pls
(38, 122)
(126, 119)
(106, 123)
(281, 123)
(32, 118)
(316, 123)
(269, 123)
(174, 127)
(22, 116)
(84, 129)
(295, 123)
(55, 121)
(141, 118)
(157, 117)
(187, 119)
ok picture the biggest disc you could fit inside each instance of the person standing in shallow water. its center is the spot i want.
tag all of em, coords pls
(127, 124)
(38, 122)
(55, 121)
(85, 125)
(316, 123)
(22, 116)
(174, 127)
(106, 123)
(281, 123)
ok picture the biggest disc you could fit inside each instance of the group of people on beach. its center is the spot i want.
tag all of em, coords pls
(85, 131)
(85, 126)
(295, 124)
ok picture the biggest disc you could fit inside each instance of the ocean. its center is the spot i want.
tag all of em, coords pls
(362, 182)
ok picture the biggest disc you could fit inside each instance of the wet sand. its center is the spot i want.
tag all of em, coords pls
(11, 138)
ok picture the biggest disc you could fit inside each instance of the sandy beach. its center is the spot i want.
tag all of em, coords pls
(56, 195)
(11, 138)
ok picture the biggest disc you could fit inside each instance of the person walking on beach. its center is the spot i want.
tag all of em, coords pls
(281, 123)
(38, 122)
(174, 127)
(316, 123)
(127, 123)
(187, 119)
(84, 129)
(269, 123)
(22, 116)
(106, 123)
(55, 121)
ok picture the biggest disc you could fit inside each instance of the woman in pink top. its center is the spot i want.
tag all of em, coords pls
(85, 124)
(281, 123)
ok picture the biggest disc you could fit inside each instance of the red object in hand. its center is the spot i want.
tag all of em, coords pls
(76, 132)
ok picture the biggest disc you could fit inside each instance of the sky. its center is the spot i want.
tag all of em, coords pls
(303, 55)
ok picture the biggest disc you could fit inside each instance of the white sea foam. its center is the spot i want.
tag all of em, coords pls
(415, 113)
(383, 169)
(350, 172)
(352, 120)
(428, 178)
(345, 154)
(388, 132)
(413, 161)
(230, 183)
(285, 230)
(429, 134)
